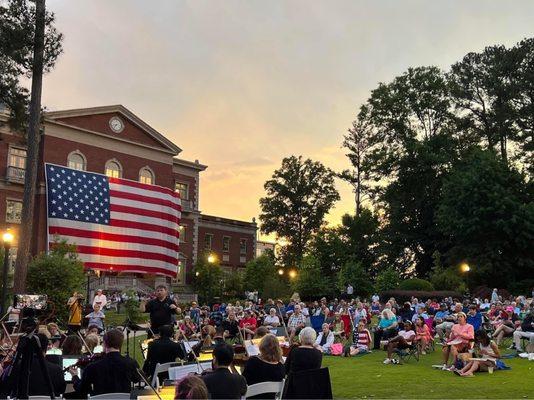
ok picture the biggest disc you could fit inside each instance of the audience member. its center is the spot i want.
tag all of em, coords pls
(306, 356)
(402, 341)
(461, 336)
(488, 350)
(325, 339)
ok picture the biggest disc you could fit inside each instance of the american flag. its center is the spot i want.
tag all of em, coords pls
(116, 224)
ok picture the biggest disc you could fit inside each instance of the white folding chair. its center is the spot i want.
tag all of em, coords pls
(265, 387)
(111, 396)
(39, 397)
(162, 368)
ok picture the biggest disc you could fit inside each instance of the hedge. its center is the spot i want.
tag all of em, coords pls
(406, 295)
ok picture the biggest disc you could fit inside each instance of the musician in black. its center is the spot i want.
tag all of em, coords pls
(221, 383)
(161, 309)
(162, 350)
(112, 374)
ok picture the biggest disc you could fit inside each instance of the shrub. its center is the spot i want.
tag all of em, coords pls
(387, 280)
(416, 284)
(448, 279)
(57, 274)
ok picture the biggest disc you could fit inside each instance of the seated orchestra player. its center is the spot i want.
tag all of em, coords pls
(402, 341)
(306, 356)
(325, 339)
(72, 346)
(111, 374)
(459, 341)
(267, 367)
(221, 383)
(162, 350)
(191, 387)
(37, 380)
(96, 317)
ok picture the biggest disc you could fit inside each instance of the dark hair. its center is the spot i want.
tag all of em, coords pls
(482, 337)
(223, 354)
(72, 346)
(261, 332)
(191, 387)
(161, 287)
(113, 338)
(219, 330)
(43, 341)
(166, 331)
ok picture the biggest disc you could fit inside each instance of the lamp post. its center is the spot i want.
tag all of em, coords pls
(8, 238)
(211, 261)
(465, 268)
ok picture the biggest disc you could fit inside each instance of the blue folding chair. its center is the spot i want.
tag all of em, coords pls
(316, 322)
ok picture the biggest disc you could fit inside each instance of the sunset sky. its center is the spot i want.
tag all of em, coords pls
(238, 85)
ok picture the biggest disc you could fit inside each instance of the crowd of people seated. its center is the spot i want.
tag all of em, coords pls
(348, 327)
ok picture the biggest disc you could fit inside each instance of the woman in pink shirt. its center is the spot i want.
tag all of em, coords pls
(462, 334)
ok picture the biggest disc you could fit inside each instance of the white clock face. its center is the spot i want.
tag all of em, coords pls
(116, 124)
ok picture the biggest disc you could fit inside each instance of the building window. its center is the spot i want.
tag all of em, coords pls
(226, 243)
(182, 231)
(146, 176)
(208, 239)
(243, 246)
(113, 169)
(76, 160)
(17, 158)
(13, 211)
(183, 189)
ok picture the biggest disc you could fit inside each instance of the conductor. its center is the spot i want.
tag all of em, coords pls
(161, 309)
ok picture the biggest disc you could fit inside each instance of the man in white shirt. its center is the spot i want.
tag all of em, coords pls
(271, 320)
(100, 298)
(375, 298)
(350, 290)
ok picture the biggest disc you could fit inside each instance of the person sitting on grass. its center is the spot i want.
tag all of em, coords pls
(338, 327)
(387, 327)
(325, 339)
(361, 339)
(422, 335)
(459, 340)
(402, 341)
(488, 350)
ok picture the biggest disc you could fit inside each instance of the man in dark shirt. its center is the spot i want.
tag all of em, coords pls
(161, 309)
(162, 350)
(112, 374)
(38, 385)
(221, 383)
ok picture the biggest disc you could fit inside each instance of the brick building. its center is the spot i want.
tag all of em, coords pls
(112, 140)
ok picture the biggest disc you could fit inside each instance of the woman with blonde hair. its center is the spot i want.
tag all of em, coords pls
(387, 327)
(267, 367)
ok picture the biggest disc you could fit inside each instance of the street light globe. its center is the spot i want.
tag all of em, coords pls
(465, 267)
(7, 237)
(211, 258)
(197, 273)
(280, 271)
(292, 274)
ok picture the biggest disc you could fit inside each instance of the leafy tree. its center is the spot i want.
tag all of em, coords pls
(57, 274)
(386, 280)
(357, 143)
(233, 284)
(17, 33)
(416, 284)
(330, 249)
(354, 273)
(487, 214)
(132, 307)
(448, 279)
(299, 195)
(257, 271)
(310, 283)
(207, 279)
(482, 89)
(360, 232)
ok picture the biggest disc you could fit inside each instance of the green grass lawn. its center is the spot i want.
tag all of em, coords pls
(367, 377)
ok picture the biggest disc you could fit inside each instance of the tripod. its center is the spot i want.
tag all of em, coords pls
(18, 377)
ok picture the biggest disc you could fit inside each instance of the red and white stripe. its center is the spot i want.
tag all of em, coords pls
(143, 234)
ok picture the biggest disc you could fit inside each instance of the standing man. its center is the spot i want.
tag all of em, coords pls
(100, 298)
(161, 309)
(350, 291)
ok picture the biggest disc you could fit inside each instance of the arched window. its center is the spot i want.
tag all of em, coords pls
(76, 160)
(146, 176)
(113, 169)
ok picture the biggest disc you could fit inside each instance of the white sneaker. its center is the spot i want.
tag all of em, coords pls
(444, 367)
(387, 361)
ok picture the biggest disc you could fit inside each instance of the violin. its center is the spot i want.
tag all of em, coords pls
(84, 361)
